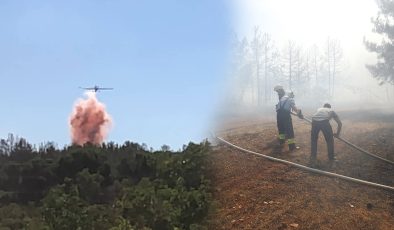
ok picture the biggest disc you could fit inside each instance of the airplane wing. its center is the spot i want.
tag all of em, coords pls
(95, 89)
(105, 88)
(87, 88)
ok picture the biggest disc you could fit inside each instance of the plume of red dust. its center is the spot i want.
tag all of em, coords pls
(89, 121)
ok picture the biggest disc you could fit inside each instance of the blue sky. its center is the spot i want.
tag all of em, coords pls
(165, 59)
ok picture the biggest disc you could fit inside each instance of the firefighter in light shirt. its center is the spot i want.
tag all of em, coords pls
(321, 121)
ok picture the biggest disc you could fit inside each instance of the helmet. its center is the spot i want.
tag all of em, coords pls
(278, 88)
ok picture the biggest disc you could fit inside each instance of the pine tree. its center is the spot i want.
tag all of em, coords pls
(383, 70)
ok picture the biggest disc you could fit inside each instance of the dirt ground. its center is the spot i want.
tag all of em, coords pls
(255, 193)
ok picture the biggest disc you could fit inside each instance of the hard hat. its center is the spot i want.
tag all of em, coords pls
(278, 88)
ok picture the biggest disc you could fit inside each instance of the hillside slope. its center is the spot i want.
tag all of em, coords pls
(254, 193)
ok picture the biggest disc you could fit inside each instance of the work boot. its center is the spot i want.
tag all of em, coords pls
(312, 162)
(332, 162)
(292, 147)
(281, 142)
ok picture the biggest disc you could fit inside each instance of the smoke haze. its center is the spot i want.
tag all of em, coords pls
(302, 46)
(89, 121)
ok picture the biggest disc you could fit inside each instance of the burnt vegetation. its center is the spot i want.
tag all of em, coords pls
(102, 187)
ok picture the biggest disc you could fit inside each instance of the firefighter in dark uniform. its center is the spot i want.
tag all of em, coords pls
(321, 121)
(284, 108)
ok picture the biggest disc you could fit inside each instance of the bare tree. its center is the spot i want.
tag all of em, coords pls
(257, 50)
(302, 71)
(328, 62)
(275, 70)
(333, 58)
(337, 56)
(240, 69)
(258, 65)
(299, 67)
(384, 26)
(289, 63)
(315, 62)
(270, 59)
(307, 67)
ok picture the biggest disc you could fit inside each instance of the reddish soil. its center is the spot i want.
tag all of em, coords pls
(255, 193)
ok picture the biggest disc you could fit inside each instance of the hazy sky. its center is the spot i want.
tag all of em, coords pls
(309, 22)
(306, 21)
(164, 59)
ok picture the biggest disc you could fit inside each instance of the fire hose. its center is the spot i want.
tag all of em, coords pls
(305, 168)
(353, 145)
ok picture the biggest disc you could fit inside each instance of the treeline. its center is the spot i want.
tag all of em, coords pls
(258, 64)
(102, 187)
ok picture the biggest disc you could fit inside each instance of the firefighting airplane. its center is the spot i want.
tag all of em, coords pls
(96, 88)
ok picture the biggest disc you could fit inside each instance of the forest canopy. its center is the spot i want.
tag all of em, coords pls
(102, 187)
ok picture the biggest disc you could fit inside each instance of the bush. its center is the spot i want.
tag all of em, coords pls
(108, 187)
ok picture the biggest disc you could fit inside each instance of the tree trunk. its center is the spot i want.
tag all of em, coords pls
(265, 74)
(290, 64)
(315, 66)
(333, 71)
(329, 69)
(258, 80)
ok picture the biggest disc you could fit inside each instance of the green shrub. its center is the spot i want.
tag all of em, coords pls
(109, 187)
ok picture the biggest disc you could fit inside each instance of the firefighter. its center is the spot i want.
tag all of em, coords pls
(321, 121)
(283, 117)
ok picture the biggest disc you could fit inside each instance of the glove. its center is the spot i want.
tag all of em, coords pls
(300, 115)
